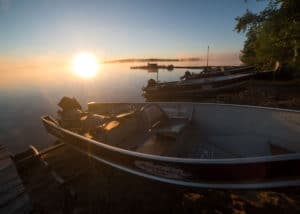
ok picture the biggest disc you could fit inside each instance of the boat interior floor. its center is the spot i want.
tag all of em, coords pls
(192, 144)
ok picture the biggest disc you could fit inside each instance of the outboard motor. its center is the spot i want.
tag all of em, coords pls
(67, 103)
(187, 75)
(72, 117)
(71, 113)
(151, 82)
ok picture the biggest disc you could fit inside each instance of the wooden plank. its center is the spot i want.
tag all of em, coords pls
(13, 198)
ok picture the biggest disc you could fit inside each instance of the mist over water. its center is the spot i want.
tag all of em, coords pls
(28, 94)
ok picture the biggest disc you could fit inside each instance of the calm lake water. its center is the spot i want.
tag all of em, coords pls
(27, 94)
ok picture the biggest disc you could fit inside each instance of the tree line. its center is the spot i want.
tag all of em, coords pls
(272, 36)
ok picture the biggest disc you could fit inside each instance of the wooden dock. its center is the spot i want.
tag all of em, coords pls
(172, 67)
(13, 198)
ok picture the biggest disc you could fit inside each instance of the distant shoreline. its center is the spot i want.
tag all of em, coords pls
(191, 59)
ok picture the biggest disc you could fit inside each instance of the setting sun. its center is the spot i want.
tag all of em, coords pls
(85, 65)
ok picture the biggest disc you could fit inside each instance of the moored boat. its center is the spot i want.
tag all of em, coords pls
(197, 145)
(195, 87)
(218, 71)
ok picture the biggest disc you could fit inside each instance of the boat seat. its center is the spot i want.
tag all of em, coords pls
(119, 128)
(171, 128)
(158, 122)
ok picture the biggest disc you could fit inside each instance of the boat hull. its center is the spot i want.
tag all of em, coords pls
(238, 173)
(231, 71)
(193, 93)
(197, 88)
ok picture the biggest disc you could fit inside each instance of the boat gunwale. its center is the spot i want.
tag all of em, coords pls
(224, 161)
(246, 185)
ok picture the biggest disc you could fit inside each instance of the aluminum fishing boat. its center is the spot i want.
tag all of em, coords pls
(190, 144)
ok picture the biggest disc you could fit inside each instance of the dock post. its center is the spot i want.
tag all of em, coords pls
(207, 57)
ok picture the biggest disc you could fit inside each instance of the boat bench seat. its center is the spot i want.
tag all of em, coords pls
(171, 128)
(119, 129)
(158, 122)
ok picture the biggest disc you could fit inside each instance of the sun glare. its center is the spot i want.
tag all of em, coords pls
(85, 65)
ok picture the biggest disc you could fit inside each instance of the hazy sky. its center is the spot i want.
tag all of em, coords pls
(117, 29)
